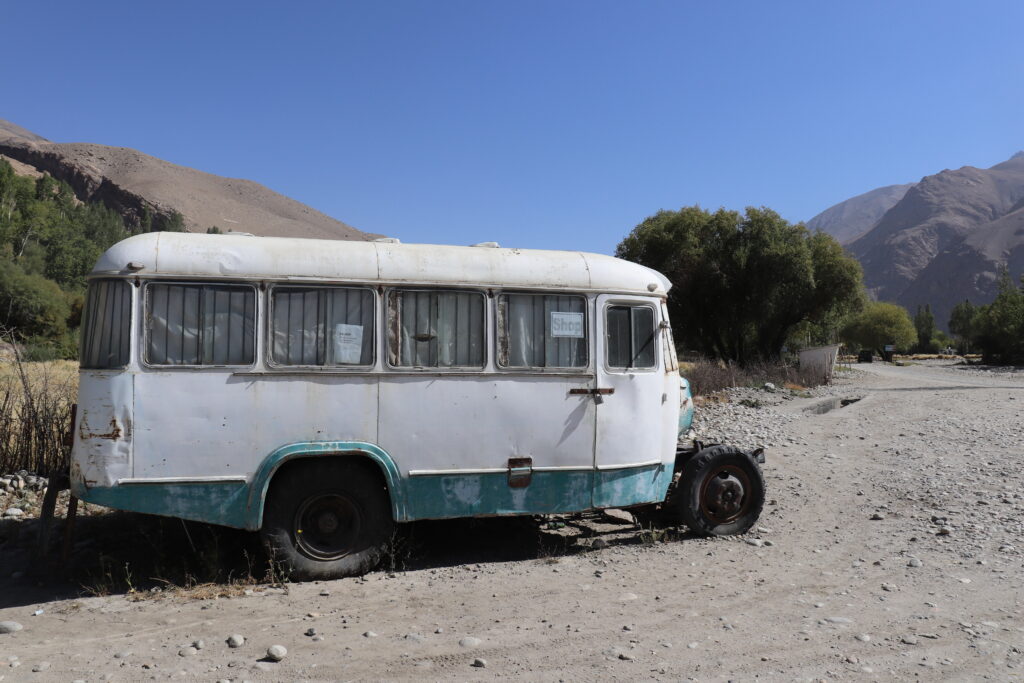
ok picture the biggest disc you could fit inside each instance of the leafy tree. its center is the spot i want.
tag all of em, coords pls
(146, 222)
(30, 305)
(941, 341)
(999, 326)
(961, 324)
(743, 282)
(879, 325)
(48, 243)
(173, 222)
(924, 324)
(214, 230)
(68, 261)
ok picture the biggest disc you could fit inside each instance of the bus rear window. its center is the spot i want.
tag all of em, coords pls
(106, 324)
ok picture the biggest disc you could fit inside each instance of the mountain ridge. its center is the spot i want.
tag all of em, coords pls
(138, 185)
(946, 239)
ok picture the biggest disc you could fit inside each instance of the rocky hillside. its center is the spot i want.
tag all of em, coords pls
(136, 184)
(846, 221)
(946, 239)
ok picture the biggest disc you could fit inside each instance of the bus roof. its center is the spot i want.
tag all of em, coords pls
(176, 254)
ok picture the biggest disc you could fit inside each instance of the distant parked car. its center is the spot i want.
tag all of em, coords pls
(865, 356)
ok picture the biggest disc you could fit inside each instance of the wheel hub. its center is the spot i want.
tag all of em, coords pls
(327, 523)
(723, 497)
(327, 526)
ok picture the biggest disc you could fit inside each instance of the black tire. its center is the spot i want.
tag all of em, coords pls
(720, 492)
(327, 520)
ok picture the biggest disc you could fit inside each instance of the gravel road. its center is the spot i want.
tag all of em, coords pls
(891, 548)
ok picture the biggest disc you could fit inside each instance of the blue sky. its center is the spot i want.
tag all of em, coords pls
(557, 124)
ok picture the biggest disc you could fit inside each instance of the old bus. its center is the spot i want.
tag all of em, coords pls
(323, 391)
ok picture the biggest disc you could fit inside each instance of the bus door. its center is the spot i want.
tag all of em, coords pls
(633, 456)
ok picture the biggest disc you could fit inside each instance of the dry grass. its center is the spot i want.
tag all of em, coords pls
(146, 557)
(708, 376)
(35, 415)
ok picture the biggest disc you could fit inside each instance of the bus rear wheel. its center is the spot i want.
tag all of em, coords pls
(327, 520)
(720, 492)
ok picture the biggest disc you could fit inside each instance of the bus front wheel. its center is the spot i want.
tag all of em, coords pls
(720, 492)
(327, 520)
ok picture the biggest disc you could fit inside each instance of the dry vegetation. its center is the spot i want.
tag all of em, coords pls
(35, 413)
(709, 376)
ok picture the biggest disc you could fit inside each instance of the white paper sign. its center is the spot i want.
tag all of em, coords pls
(348, 344)
(566, 324)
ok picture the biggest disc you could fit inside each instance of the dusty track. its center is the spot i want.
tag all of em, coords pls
(923, 443)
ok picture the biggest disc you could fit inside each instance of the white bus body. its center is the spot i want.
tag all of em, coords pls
(470, 381)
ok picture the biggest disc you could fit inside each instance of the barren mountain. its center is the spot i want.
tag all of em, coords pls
(946, 239)
(848, 220)
(133, 183)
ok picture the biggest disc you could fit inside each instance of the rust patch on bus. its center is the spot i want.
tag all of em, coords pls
(114, 434)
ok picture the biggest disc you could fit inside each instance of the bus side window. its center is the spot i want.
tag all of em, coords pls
(200, 324)
(542, 331)
(106, 325)
(436, 328)
(631, 337)
(322, 326)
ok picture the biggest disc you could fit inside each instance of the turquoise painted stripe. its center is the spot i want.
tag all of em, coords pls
(631, 486)
(441, 496)
(240, 505)
(212, 502)
(261, 481)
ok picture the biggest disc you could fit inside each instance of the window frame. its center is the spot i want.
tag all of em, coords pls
(130, 325)
(269, 334)
(607, 346)
(501, 334)
(392, 330)
(256, 330)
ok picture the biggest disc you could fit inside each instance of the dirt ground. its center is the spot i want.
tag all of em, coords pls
(890, 549)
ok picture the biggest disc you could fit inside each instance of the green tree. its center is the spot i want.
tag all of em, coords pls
(879, 325)
(999, 326)
(49, 241)
(214, 230)
(924, 324)
(743, 282)
(961, 324)
(172, 222)
(30, 305)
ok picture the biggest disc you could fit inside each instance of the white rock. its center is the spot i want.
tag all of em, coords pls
(276, 653)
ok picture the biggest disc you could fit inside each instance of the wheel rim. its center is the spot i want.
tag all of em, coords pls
(327, 526)
(723, 495)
